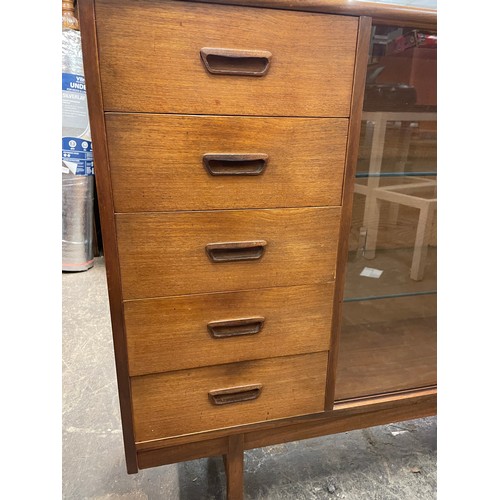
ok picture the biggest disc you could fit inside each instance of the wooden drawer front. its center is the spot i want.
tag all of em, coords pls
(176, 403)
(203, 330)
(150, 59)
(157, 162)
(166, 254)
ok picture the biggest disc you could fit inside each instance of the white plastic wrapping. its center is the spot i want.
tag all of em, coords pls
(77, 161)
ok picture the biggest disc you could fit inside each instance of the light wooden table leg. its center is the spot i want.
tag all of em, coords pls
(233, 462)
(404, 147)
(424, 233)
(372, 205)
(372, 222)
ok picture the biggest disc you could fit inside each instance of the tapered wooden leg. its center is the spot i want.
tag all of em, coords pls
(233, 462)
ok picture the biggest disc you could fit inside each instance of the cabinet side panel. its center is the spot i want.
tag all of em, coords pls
(361, 62)
(104, 193)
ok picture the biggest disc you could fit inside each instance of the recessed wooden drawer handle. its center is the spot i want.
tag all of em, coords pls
(235, 394)
(234, 251)
(235, 327)
(236, 62)
(235, 164)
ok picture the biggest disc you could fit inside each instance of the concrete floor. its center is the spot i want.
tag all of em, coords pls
(396, 461)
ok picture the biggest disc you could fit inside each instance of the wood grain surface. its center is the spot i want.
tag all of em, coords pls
(150, 59)
(176, 403)
(157, 161)
(171, 334)
(382, 13)
(346, 416)
(354, 407)
(189, 451)
(165, 254)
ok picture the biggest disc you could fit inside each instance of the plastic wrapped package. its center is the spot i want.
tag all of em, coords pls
(77, 160)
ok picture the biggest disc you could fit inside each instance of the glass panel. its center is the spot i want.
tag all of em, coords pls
(389, 319)
(387, 345)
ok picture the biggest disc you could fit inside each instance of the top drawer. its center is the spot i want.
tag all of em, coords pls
(150, 59)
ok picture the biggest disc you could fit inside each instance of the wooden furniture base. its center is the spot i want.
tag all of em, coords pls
(345, 416)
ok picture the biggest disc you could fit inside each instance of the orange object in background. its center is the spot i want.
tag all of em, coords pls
(68, 15)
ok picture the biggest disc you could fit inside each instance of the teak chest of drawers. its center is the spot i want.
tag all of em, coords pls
(225, 139)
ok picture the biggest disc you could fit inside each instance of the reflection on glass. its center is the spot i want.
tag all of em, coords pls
(388, 340)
